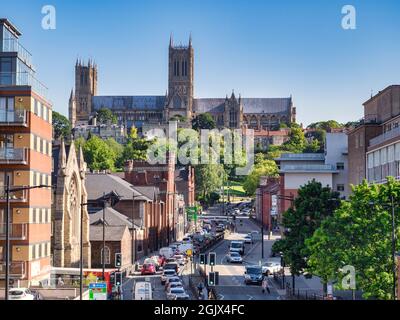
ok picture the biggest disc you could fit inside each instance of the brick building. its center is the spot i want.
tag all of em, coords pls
(25, 158)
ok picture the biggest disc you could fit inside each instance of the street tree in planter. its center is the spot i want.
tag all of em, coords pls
(313, 204)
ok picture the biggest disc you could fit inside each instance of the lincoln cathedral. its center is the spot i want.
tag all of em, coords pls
(230, 112)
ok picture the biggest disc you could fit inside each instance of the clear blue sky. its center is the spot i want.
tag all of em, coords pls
(259, 48)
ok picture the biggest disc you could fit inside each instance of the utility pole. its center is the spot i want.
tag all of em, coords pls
(133, 230)
(7, 236)
(104, 235)
(262, 223)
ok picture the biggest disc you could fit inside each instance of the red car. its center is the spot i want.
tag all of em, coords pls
(148, 269)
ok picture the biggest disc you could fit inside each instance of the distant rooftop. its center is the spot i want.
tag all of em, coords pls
(301, 157)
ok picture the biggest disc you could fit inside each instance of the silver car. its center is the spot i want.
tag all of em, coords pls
(234, 257)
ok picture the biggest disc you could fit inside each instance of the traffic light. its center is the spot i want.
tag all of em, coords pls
(118, 260)
(213, 258)
(203, 258)
(118, 279)
(211, 279)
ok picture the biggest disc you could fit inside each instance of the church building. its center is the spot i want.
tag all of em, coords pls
(229, 112)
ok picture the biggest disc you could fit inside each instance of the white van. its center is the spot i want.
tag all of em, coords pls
(167, 252)
(237, 246)
(143, 291)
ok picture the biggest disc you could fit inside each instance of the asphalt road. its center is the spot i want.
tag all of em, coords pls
(231, 276)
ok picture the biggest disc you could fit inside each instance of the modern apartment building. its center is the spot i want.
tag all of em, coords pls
(25, 158)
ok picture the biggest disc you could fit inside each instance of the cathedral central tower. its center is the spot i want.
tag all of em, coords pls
(180, 80)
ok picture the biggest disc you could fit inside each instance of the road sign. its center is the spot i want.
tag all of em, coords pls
(98, 291)
(189, 252)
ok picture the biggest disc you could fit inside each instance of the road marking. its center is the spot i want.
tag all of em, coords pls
(250, 297)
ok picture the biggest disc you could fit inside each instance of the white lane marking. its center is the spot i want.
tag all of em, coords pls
(250, 297)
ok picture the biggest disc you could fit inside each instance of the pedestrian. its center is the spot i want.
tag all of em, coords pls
(60, 282)
(265, 285)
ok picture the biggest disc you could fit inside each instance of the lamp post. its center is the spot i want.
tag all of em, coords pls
(7, 222)
(262, 221)
(81, 251)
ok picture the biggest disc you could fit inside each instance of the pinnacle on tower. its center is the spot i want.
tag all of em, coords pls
(190, 40)
(171, 40)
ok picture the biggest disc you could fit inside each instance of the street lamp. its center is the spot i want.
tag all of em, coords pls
(262, 222)
(81, 251)
(394, 269)
(7, 222)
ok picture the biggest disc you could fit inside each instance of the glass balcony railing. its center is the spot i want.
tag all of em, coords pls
(13, 45)
(18, 231)
(15, 196)
(17, 269)
(13, 155)
(394, 133)
(23, 79)
(14, 118)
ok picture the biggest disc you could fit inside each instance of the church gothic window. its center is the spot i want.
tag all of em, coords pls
(177, 102)
(106, 254)
(74, 208)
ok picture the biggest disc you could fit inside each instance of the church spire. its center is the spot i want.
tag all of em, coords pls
(62, 158)
(190, 40)
(171, 40)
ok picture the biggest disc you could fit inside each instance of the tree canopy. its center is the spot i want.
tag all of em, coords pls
(326, 125)
(359, 235)
(203, 121)
(98, 154)
(61, 126)
(313, 204)
(105, 115)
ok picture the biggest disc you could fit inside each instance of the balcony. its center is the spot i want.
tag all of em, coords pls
(316, 168)
(13, 45)
(18, 231)
(16, 196)
(13, 156)
(9, 79)
(394, 133)
(18, 117)
(17, 269)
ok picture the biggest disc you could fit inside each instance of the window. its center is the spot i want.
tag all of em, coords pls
(339, 166)
(106, 255)
(340, 187)
(6, 75)
(7, 113)
(36, 108)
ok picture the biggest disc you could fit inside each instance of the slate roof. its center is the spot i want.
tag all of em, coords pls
(97, 184)
(115, 233)
(113, 218)
(156, 103)
(250, 105)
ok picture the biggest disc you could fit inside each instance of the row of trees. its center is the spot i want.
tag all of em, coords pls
(324, 235)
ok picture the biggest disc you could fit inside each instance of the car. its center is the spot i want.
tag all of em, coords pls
(152, 261)
(181, 297)
(253, 274)
(234, 257)
(236, 212)
(176, 292)
(172, 279)
(248, 239)
(21, 294)
(186, 240)
(171, 285)
(172, 265)
(271, 267)
(148, 269)
(166, 252)
(180, 259)
(169, 260)
(237, 246)
(167, 274)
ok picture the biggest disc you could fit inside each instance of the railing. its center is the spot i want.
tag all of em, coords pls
(312, 168)
(13, 45)
(12, 118)
(16, 196)
(13, 155)
(394, 133)
(302, 294)
(17, 269)
(22, 79)
(18, 231)
(302, 156)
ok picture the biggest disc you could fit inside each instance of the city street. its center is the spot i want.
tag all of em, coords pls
(231, 276)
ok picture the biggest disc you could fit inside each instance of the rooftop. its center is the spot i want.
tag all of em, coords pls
(112, 217)
(301, 157)
(315, 168)
(112, 233)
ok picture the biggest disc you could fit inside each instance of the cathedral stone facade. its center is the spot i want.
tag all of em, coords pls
(230, 112)
(69, 178)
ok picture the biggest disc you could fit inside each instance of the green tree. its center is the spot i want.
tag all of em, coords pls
(297, 141)
(313, 204)
(117, 149)
(313, 146)
(208, 178)
(98, 155)
(178, 118)
(203, 121)
(61, 126)
(326, 125)
(262, 167)
(105, 115)
(359, 235)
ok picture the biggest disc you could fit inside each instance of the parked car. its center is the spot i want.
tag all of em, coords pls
(181, 297)
(169, 260)
(253, 274)
(148, 269)
(21, 294)
(176, 292)
(172, 285)
(172, 265)
(271, 267)
(234, 257)
(167, 274)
